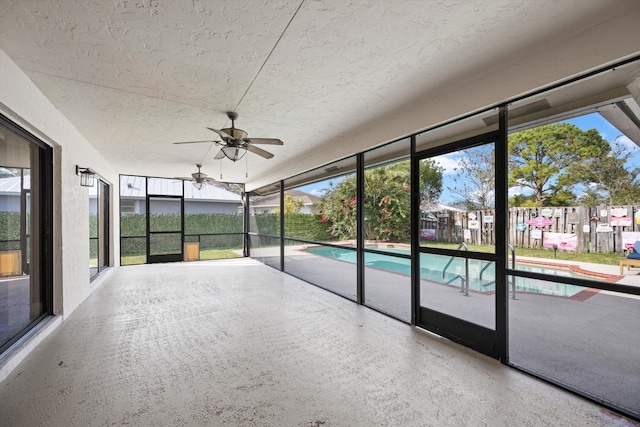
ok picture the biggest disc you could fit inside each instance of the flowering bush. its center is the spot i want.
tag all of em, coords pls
(387, 203)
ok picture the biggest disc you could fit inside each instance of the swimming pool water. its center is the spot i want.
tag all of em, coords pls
(481, 273)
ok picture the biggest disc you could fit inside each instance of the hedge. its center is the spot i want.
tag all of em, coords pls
(202, 223)
(212, 223)
(306, 227)
(9, 226)
(265, 224)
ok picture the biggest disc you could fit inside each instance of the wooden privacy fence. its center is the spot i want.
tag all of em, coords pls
(603, 229)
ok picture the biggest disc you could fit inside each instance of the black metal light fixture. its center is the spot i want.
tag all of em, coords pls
(87, 176)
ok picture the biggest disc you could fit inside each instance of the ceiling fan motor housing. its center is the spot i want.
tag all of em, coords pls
(235, 133)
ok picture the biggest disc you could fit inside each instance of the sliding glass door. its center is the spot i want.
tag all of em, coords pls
(25, 226)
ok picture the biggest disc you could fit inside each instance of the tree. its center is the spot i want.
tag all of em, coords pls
(387, 203)
(291, 205)
(591, 197)
(561, 197)
(543, 158)
(476, 182)
(607, 178)
(521, 200)
(430, 181)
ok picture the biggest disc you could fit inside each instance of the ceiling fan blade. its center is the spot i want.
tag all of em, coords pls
(259, 151)
(270, 141)
(184, 178)
(193, 142)
(223, 135)
(219, 156)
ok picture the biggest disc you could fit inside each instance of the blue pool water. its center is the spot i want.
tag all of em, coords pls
(481, 273)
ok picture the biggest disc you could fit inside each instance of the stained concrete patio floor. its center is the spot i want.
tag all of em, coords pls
(235, 342)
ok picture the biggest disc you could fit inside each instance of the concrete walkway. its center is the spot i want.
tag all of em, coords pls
(237, 343)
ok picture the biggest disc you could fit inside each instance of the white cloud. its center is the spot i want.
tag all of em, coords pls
(449, 162)
(317, 192)
(517, 190)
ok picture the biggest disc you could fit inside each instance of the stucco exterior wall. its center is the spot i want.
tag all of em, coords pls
(24, 103)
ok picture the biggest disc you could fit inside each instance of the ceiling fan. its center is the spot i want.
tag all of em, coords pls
(199, 179)
(235, 143)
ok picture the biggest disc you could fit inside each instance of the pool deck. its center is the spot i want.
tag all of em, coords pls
(601, 272)
(605, 273)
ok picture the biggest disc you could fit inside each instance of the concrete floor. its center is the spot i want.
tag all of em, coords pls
(238, 343)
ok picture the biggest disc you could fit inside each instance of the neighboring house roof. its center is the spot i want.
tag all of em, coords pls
(439, 207)
(273, 200)
(133, 187)
(11, 185)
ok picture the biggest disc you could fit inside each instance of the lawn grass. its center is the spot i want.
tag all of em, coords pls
(593, 257)
(205, 254)
(133, 259)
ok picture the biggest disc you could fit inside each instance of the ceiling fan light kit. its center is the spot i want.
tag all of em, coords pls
(198, 179)
(233, 153)
(235, 143)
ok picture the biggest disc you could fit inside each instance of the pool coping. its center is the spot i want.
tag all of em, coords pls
(609, 278)
(583, 295)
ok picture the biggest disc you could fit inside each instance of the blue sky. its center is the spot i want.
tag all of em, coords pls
(449, 162)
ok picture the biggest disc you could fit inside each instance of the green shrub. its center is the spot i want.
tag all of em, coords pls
(202, 223)
(9, 225)
(306, 227)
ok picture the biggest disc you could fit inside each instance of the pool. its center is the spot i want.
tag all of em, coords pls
(481, 273)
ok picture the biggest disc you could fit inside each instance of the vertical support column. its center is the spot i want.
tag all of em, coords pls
(415, 233)
(45, 201)
(146, 186)
(246, 251)
(23, 225)
(182, 226)
(360, 227)
(106, 226)
(281, 225)
(501, 221)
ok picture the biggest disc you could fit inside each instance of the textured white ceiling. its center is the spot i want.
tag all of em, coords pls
(329, 78)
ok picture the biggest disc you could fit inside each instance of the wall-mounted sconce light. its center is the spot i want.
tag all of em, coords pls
(87, 176)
